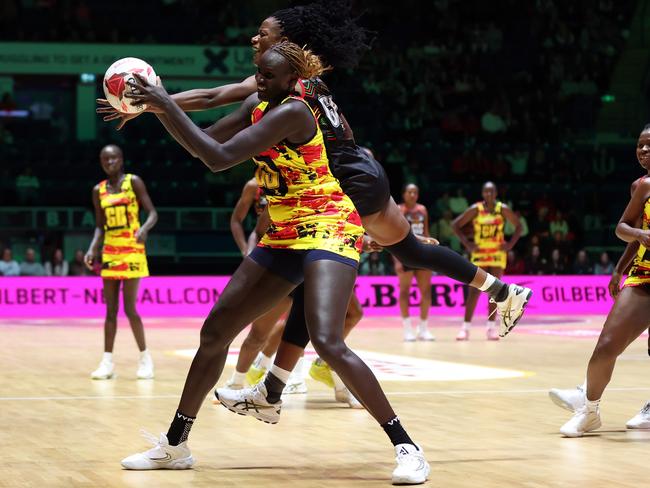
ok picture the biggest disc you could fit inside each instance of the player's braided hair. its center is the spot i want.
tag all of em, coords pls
(302, 61)
(327, 28)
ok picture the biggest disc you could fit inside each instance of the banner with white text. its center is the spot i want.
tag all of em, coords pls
(194, 296)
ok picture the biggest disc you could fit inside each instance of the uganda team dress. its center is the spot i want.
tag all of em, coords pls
(489, 237)
(307, 206)
(123, 257)
(639, 273)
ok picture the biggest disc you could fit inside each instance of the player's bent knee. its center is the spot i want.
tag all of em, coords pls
(328, 348)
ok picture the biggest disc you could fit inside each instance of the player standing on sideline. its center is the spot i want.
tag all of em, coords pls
(489, 250)
(117, 201)
(630, 262)
(418, 217)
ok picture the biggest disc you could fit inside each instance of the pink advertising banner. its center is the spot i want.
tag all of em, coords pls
(194, 296)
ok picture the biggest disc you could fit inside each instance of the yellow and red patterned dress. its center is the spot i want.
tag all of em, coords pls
(307, 206)
(123, 258)
(489, 237)
(639, 273)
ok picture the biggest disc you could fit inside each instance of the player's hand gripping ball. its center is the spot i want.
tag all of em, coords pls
(116, 86)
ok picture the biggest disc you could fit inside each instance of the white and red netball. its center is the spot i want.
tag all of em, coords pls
(115, 86)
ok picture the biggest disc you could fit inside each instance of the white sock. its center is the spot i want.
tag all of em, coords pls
(489, 280)
(466, 325)
(144, 354)
(423, 325)
(583, 387)
(281, 374)
(592, 405)
(338, 382)
(262, 361)
(238, 378)
(108, 356)
(490, 324)
(406, 322)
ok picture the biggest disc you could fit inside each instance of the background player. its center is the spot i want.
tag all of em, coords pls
(418, 217)
(117, 201)
(489, 249)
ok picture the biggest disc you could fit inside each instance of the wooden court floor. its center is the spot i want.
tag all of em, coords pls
(481, 413)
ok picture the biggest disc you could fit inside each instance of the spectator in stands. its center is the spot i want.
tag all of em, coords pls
(582, 266)
(492, 122)
(77, 266)
(604, 266)
(516, 264)
(458, 204)
(57, 266)
(27, 186)
(557, 264)
(535, 264)
(8, 267)
(445, 232)
(558, 224)
(372, 265)
(442, 204)
(509, 229)
(30, 267)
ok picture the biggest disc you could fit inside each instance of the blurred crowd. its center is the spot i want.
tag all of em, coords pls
(30, 265)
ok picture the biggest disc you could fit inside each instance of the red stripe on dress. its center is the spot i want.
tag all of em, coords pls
(311, 153)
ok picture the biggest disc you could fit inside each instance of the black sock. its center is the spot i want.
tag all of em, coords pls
(274, 388)
(498, 290)
(415, 254)
(179, 428)
(396, 432)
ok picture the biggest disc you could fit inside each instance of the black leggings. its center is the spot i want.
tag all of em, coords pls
(415, 254)
(295, 328)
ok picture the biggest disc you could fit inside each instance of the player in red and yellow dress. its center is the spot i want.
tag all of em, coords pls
(315, 238)
(489, 249)
(117, 201)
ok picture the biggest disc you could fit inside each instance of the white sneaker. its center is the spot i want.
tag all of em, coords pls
(251, 402)
(161, 456)
(571, 399)
(105, 371)
(412, 468)
(463, 334)
(583, 421)
(343, 395)
(512, 308)
(145, 367)
(409, 335)
(641, 420)
(491, 334)
(295, 386)
(425, 335)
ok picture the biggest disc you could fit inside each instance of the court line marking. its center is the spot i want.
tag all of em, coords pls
(319, 394)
